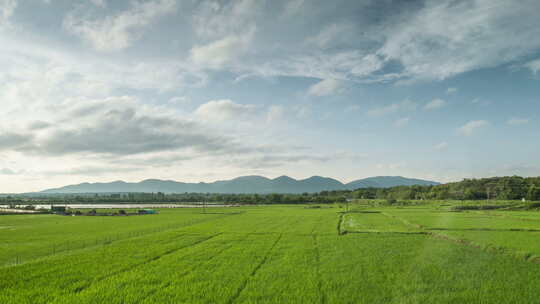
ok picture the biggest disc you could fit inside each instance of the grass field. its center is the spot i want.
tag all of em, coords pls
(273, 254)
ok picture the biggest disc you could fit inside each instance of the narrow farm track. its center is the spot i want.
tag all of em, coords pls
(388, 232)
(484, 229)
(527, 256)
(150, 260)
(254, 271)
(187, 272)
(322, 295)
(340, 223)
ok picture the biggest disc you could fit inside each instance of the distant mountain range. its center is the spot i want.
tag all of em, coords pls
(244, 184)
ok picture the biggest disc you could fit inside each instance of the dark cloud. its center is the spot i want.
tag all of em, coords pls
(283, 158)
(11, 140)
(86, 110)
(93, 170)
(39, 125)
(271, 161)
(118, 128)
(152, 161)
(125, 132)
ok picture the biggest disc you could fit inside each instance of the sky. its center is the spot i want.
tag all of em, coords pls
(102, 90)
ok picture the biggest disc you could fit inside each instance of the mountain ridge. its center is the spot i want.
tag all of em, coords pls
(243, 184)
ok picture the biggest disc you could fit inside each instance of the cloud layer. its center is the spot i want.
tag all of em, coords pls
(200, 89)
(471, 127)
(119, 31)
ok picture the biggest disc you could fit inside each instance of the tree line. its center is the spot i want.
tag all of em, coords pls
(496, 188)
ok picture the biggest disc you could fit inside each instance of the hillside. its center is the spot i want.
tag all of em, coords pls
(387, 182)
(244, 184)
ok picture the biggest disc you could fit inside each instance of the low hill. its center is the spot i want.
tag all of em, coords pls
(243, 184)
(388, 182)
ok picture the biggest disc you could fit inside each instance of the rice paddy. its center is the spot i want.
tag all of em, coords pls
(273, 254)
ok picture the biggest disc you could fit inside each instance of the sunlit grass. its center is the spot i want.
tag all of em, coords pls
(277, 254)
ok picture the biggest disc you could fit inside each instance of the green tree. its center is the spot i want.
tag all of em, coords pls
(534, 193)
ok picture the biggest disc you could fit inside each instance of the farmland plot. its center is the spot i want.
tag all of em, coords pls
(513, 233)
(374, 221)
(33, 236)
(446, 220)
(278, 254)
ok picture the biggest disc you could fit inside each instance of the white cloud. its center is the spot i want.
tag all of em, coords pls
(326, 87)
(99, 3)
(436, 41)
(293, 7)
(441, 146)
(469, 128)
(120, 31)
(179, 100)
(391, 166)
(534, 66)
(275, 113)
(402, 122)
(32, 73)
(517, 121)
(7, 8)
(451, 90)
(119, 137)
(215, 20)
(351, 65)
(446, 38)
(435, 104)
(224, 109)
(432, 39)
(218, 53)
(405, 105)
(303, 111)
(441, 39)
(331, 35)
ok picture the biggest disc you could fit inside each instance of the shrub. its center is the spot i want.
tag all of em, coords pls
(391, 201)
(533, 205)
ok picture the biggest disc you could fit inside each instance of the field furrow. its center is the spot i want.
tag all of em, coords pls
(288, 254)
(254, 271)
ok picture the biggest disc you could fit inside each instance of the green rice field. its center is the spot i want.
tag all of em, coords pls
(273, 254)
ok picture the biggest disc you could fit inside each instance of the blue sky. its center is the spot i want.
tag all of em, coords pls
(101, 90)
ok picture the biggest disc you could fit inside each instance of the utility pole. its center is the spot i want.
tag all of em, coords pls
(204, 206)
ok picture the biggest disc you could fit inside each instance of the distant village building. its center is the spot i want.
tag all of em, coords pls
(59, 209)
(147, 211)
